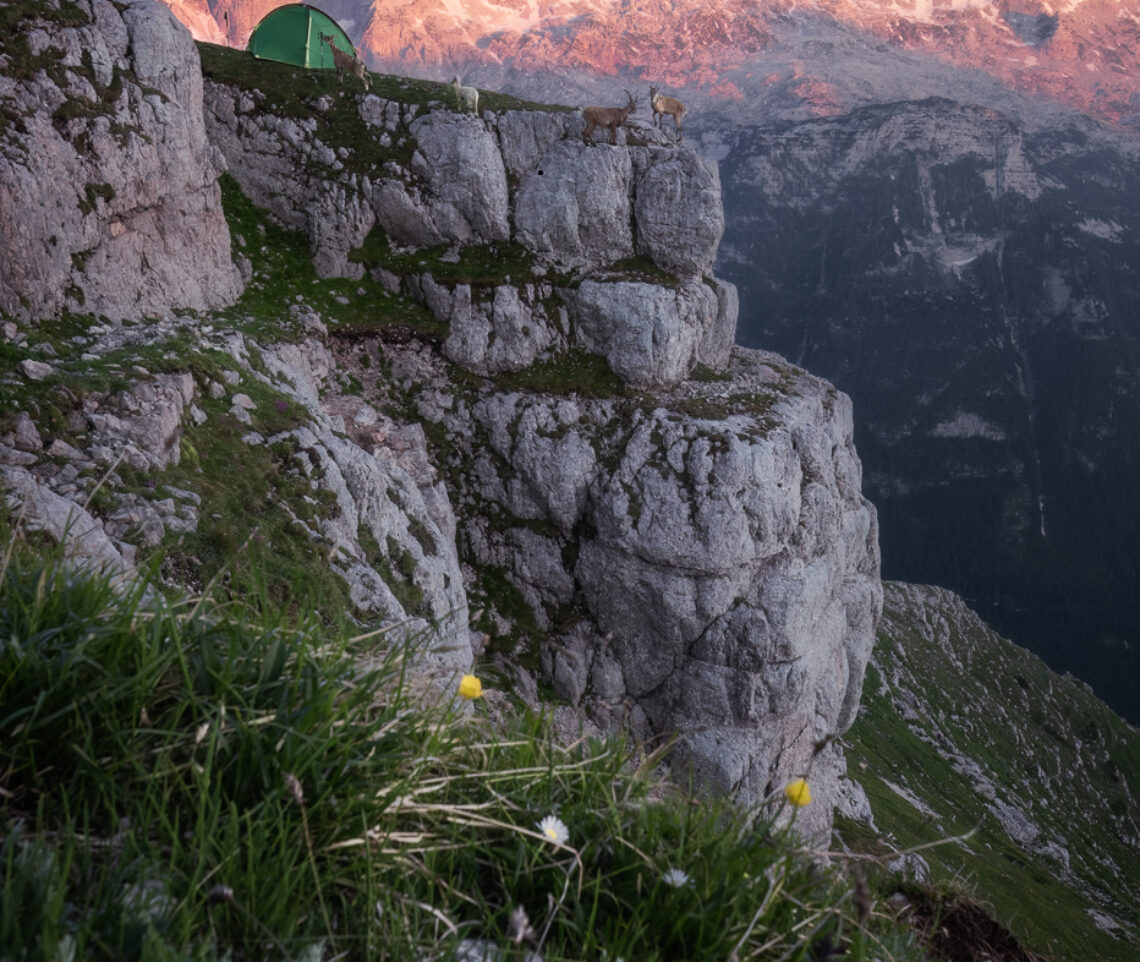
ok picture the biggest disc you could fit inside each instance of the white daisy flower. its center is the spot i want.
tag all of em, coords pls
(676, 877)
(554, 829)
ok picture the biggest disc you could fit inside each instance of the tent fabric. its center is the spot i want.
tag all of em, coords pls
(296, 34)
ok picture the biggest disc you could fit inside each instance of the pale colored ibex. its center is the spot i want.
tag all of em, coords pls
(609, 117)
(466, 96)
(343, 61)
(667, 105)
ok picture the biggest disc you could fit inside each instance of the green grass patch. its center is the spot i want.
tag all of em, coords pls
(704, 374)
(283, 274)
(294, 88)
(639, 268)
(487, 265)
(253, 536)
(92, 193)
(1046, 746)
(573, 372)
(189, 781)
(495, 593)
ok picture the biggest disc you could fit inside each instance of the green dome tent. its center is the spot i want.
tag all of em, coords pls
(296, 34)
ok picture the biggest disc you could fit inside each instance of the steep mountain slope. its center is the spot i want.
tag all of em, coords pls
(973, 285)
(677, 525)
(960, 729)
(207, 439)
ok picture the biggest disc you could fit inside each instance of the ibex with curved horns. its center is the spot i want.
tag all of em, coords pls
(609, 117)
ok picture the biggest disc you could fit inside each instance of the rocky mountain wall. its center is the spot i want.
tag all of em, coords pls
(694, 556)
(698, 561)
(668, 531)
(109, 201)
(973, 284)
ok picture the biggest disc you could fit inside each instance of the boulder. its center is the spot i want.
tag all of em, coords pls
(142, 426)
(573, 208)
(459, 161)
(507, 333)
(651, 335)
(677, 209)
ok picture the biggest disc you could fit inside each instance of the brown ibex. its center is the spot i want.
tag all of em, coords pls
(343, 61)
(608, 117)
(667, 105)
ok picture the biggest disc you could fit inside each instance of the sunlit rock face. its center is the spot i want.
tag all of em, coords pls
(748, 59)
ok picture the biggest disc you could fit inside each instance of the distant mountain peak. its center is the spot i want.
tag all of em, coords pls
(788, 56)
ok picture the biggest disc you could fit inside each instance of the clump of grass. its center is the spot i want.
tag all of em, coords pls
(180, 781)
(480, 265)
(641, 268)
(283, 273)
(572, 372)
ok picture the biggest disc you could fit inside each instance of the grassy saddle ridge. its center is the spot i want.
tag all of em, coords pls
(293, 88)
(178, 781)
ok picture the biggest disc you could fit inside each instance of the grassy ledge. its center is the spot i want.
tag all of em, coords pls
(294, 88)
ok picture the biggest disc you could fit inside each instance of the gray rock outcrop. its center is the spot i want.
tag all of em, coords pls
(647, 215)
(86, 544)
(108, 196)
(702, 562)
(142, 427)
(698, 561)
(385, 524)
(686, 551)
(651, 335)
(507, 332)
(392, 532)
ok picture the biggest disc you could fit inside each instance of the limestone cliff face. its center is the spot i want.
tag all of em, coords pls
(695, 556)
(680, 521)
(108, 196)
(699, 561)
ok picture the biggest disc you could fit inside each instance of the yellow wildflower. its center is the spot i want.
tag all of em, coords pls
(470, 687)
(798, 793)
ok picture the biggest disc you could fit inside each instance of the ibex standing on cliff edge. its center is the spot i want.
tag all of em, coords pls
(609, 117)
(466, 97)
(343, 61)
(667, 105)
